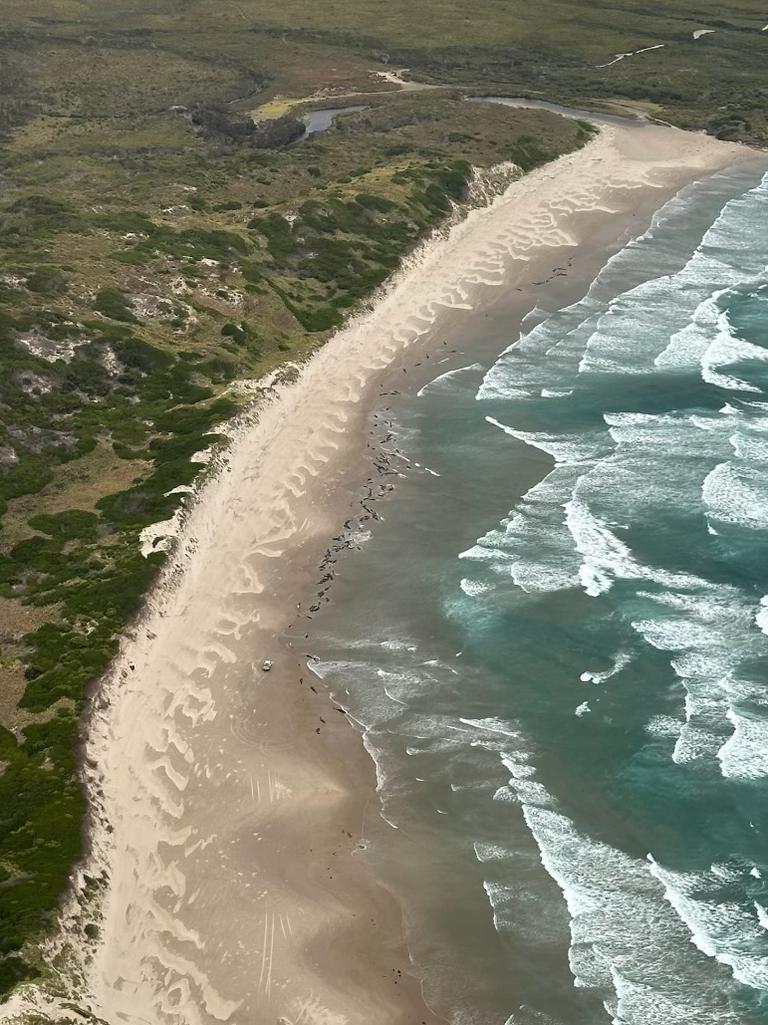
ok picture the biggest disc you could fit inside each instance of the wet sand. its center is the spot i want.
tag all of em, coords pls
(230, 804)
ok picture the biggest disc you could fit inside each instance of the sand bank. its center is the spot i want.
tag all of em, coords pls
(230, 804)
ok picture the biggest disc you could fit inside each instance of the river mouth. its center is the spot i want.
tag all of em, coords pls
(324, 118)
(321, 120)
(577, 113)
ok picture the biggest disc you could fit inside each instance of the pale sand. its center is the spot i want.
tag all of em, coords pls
(229, 830)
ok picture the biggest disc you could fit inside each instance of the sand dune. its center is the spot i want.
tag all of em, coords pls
(229, 818)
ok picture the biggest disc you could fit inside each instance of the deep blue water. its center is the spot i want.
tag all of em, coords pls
(556, 640)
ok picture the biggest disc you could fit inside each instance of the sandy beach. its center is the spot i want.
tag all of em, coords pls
(229, 804)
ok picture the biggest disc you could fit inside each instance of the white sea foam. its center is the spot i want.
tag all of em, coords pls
(620, 661)
(687, 346)
(563, 448)
(473, 588)
(534, 547)
(761, 616)
(530, 1015)
(762, 915)
(489, 852)
(604, 556)
(737, 494)
(521, 911)
(556, 393)
(745, 754)
(619, 927)
(449, 375)
(620, 931)
(545, 357)
(698, 333)
(393, 644)
(710, 631)
(664, 459)
(722, 930)
(663, 726)
(725, 349)
(494, 726)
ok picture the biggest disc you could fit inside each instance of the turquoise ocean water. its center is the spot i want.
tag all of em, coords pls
(556, 642)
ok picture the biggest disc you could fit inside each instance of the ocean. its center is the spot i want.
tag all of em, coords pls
(555, 642)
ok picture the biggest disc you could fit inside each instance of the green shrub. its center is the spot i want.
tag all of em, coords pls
(137, 354)
(41, 810)
(239, 332)
(132, 257)
(127, 222)
(528, 153)
(26, 477)
(74, 524)
(112, 302)
(378, 203)
(278, 233)
(47, 281)
(13, 971)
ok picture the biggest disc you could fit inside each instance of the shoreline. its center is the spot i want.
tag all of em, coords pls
(226, 598)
